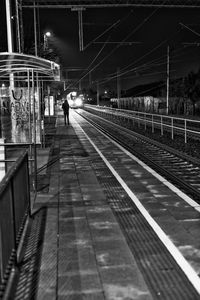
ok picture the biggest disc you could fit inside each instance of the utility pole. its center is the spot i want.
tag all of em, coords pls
(19, 48)
(21, 29)
(167, 98)
(97, 93)
(118, 84)
(80, 25)
(9, 27)
(35, 29)
(9, 38)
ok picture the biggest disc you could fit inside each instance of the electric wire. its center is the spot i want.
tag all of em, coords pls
(116, 24)
(124, 70)
(130, 34)
(146, 65)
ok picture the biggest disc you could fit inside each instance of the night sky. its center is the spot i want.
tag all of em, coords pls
(150, 29)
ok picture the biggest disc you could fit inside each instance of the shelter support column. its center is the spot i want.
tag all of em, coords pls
(34, 131)
(9, 38)
(29, 121)
(42, 113)
(2, 159)
(48, 95)
(39, 108)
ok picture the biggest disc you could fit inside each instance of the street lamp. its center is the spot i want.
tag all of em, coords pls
(3, 90)
(46, 35)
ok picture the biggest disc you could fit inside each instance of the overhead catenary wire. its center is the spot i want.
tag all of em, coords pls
(145, 65)
(147, 74)
(154, 63)
(125, 70)
(187, 27)
(90, 70)
(131, 33)
(108, 29)
(116, 24)
(127, 37)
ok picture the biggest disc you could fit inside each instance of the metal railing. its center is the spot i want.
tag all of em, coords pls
(7, 161)
(164, 123)
(14, 208)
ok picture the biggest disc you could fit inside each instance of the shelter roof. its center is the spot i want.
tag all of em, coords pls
(21, 63)
(108, 3)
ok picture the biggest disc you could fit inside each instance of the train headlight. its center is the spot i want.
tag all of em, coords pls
(78, 102)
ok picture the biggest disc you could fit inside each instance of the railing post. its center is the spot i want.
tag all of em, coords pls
(13, 221)
(172, 128)
(152, 125)
(1, 259)
(185, 125)
(2, 159)
(161, 127)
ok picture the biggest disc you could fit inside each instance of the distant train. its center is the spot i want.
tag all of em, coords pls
(149, 104)
(75, 100)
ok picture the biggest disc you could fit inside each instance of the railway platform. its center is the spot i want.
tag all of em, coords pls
(104, 226)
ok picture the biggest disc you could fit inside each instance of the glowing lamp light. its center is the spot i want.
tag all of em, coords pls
(3, 90)
(74, 94)
(48, 33)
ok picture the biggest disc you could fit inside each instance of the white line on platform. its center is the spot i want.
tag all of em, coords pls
(181, 261)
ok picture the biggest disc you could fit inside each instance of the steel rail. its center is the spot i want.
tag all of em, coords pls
(185, 186)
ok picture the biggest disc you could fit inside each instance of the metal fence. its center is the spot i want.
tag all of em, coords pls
(164, 123)
(14, 208)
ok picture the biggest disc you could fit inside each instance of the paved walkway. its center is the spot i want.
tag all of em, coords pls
(84, 255)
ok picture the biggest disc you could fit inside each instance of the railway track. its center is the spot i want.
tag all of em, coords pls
(172, 126)
(180, 169)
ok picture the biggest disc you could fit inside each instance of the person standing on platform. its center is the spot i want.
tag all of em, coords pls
(65, 107)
